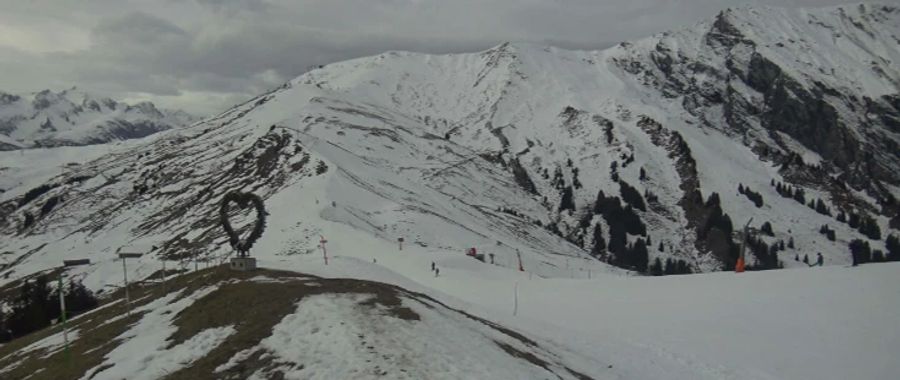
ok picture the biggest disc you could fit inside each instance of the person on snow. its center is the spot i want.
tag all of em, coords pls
(437, 271)
(432, 266)
(820, 261)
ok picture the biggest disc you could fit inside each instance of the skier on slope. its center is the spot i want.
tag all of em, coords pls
(432, 266)
(820, 261)
(437, 271)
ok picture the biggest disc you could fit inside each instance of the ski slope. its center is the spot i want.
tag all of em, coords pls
(816, 323)
(832, 322)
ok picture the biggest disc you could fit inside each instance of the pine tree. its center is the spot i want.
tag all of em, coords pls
(640, 255)
(599, 243)
(893, 247)
(821, 208)
(34, 308)
(713, 200)
(29, 220)
(806, 259)
(753, 196)
(860, 252)
(800, 195)
(566, 200)
(767, 229)
(631, 196)
(656, 269)
(5, 335)
(79, 298)
(791, 242)
(870, 228)
(607, 130)
(853, 222)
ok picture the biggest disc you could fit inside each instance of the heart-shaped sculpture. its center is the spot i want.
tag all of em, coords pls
(243, 200)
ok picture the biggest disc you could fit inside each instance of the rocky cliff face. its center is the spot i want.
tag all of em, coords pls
(828, 79)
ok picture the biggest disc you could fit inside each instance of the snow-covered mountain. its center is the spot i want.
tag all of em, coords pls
(74, 117)
(562, 167)
(657, 148)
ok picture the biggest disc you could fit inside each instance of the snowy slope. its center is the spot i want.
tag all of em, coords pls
(543, 106)
(74, 117)
(478, 150)
(456, 151)
(827, 323)
(313, 328)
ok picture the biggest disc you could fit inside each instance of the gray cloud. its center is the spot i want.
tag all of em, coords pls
(203, 55)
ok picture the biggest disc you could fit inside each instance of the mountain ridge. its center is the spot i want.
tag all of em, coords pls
(73, 117)
(629, 154)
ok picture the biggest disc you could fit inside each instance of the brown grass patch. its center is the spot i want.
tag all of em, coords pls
(253, 308)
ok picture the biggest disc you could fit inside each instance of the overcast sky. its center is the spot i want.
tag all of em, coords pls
(205, 55)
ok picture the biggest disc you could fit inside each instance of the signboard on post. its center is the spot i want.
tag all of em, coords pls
(62, 298)
(70, 263)
(123, 256)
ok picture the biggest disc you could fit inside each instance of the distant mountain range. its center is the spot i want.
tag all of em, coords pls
(74, 117)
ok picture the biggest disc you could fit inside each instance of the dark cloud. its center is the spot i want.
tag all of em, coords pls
(203, 55)
(137, 28)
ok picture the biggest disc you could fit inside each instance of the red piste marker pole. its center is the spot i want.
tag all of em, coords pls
(324, 252)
